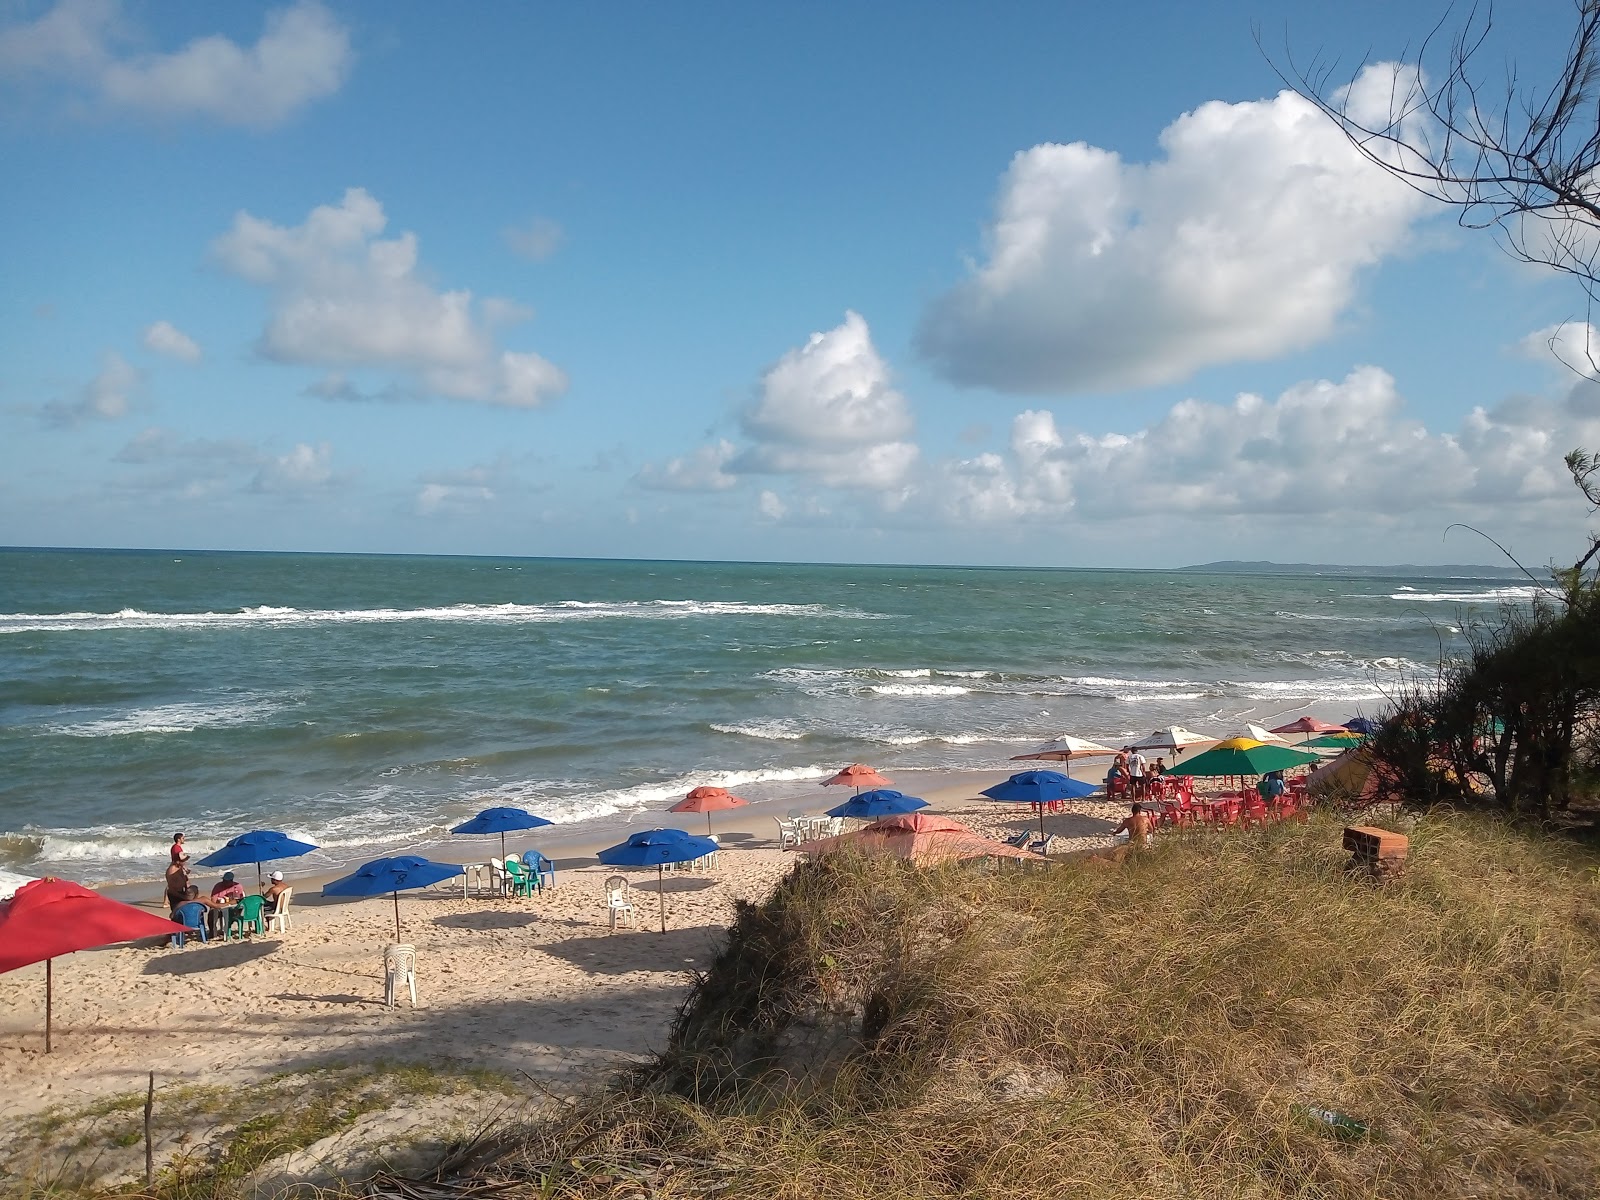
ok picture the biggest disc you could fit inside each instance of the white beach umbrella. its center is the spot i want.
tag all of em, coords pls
(1173, 738)
(1065, 748)
(1259, 734)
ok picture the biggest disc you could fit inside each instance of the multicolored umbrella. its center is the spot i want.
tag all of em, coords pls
(51, 917)
(1065, 748)
(708, 800)
(1245, 756)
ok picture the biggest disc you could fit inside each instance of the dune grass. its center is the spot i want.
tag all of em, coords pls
(1149, 1030)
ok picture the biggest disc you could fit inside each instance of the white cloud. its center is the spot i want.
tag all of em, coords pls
(825, 412)
(537, 240)
(302, 55)
(165, 338)
(701, 470)
(1575, 345)
(305, 469)
(105, 397)
(454, 498)
(1321, 448)
(344, 297)
(771, 506)
(1244, 241)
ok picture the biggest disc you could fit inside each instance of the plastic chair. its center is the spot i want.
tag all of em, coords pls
(787, 835)
(499, 877)
(248, 913)
(399, 966)
(521, 885)
(1254, 812)
(617, 902)
(278, 918)
(540, 870)
(192, 914)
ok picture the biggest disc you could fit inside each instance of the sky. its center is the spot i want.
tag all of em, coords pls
(1026, 284)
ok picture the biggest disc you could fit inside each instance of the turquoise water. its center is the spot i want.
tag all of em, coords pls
(363, 701)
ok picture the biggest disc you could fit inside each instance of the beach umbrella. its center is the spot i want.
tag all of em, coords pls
(1065, 748)
(1365, 725)
(858, 776)
(501, 821)
(399, 874)
(1308, 726)
(879, 802)
(1338, 741)
(10, 881)
(708, 800)
(51, 917)
(1173, 738)
(1039, 788)
(1257, 734)
(655, 848)
(920, 835)
(257, 846)
(1243, 756)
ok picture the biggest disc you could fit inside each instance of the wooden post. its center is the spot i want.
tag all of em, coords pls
(149, 1142)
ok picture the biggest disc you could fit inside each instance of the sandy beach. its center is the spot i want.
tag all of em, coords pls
(536, 985)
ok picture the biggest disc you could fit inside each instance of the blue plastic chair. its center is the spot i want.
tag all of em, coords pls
(193, 914)
(541, 871)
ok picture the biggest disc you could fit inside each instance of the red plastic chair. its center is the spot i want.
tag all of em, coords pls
(1254, 812)
(1117, 787)
(1225, 811)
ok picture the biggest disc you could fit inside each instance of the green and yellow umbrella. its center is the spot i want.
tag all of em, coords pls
(1244, 756)
(1338, 741)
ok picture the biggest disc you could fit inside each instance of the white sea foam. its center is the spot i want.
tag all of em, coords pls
(170, 718)
(778, 731)
(264, 616)
(919, 689)
(1500, 593)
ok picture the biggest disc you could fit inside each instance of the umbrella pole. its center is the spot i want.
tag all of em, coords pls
(661, 893)
(708, 822)
(1041, 821)
(502, 845)
(49, 989)
(397, 916)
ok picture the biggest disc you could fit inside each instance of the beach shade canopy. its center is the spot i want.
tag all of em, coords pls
(879, 802)
(655, 848)
(257, 846)
(1173, 738)
(921, 836)
(1308, 726)
(1243, 756)
(501, 821)
(1257, 734)
(396, 875)
(1342, 740)
(1349, 777)
(1363, 725)
(1039, 788)
(708, 800)
(858, 776)
(1065, 748)
(51, 917)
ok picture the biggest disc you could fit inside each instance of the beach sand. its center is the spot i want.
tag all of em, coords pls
(536, 985)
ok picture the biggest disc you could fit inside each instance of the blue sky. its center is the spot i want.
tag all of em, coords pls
(1050, 284)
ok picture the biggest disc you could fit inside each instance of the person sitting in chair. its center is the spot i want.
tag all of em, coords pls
(275, 888)
(1137, 826)
(228, 889)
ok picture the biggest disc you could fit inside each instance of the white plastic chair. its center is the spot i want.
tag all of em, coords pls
(498, 876)
(617, 902)
(787, 834)
(399, 965)
(278, 922)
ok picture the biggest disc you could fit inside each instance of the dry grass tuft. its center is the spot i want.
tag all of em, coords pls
(878, 1030)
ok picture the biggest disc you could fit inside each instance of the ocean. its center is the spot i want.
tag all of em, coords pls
(363, 702)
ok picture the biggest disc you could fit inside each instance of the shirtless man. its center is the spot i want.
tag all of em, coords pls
(1137, 826)
(177, 885)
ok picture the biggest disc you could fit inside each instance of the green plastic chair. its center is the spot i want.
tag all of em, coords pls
(249, 914)
(521, 884)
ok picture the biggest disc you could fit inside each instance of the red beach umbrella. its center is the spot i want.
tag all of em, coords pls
(858, 776)
(708, 800)
(51, 917)
(1308, 726)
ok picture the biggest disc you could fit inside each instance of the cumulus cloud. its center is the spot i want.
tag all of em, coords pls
(346, 297)
(166, 338)
(1575, 345)
(1321, 447)
(104, 398)
(303, 470)
(302, 55)
(701, 470)
(1243, 241)
(826, 412)
(536, 240)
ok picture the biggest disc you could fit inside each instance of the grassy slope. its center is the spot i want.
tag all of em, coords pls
(1144, 1031)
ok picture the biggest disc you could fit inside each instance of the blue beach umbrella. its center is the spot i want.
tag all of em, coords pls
(257, 846)
(501, 821)
(655, 848)
(879, 802)
(1039, 788)
(1362, 725)
(395, 875)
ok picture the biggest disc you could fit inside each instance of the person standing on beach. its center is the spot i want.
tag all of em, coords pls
(1136, 772)
(179, 854)
(177, 884)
